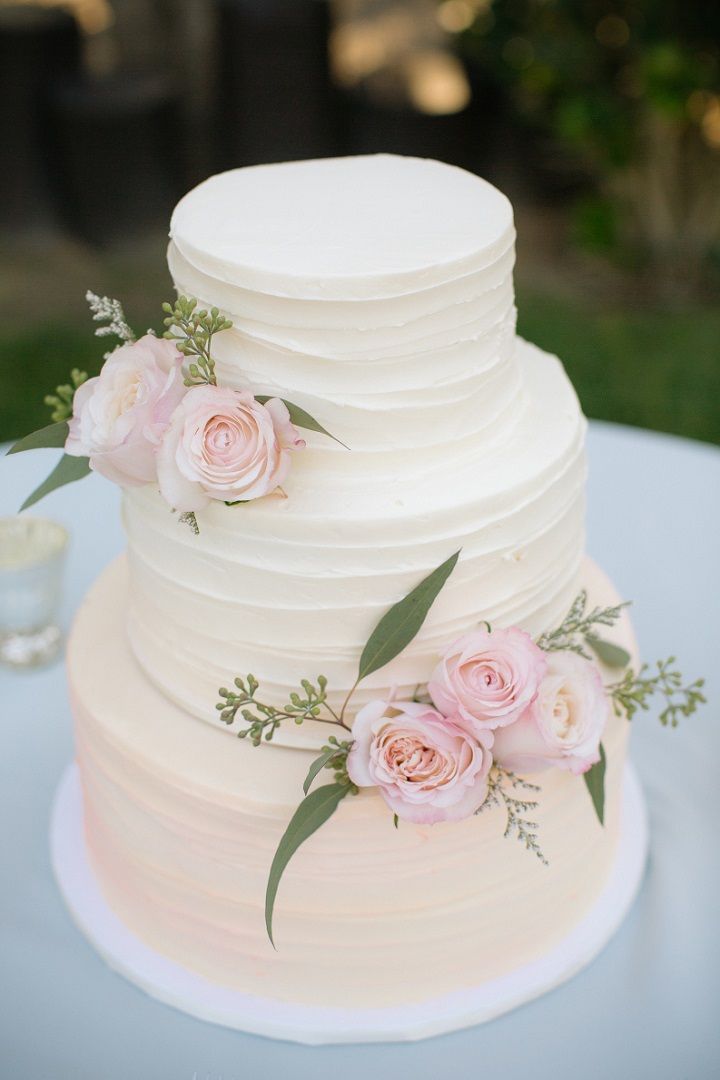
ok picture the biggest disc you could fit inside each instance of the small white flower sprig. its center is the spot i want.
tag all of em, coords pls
(497, 705)
(578, 631)
(155, 414)
(106, 310)
(505, 791)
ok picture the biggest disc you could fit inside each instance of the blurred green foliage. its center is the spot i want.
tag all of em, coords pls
(590, 68)
(632, 89)
(658, 369)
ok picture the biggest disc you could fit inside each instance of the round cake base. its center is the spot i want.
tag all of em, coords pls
(176, 986)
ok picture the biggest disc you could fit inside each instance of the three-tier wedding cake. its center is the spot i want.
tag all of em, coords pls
(375, 295)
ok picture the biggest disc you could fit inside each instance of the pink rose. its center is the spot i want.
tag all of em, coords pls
(427, 767)
(488, 679)
(563, 726)
(223, 444)
(119, 416)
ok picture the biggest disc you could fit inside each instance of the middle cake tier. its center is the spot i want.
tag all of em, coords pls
(291, 588)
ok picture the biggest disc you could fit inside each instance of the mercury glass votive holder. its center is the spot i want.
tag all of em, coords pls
(32, 560)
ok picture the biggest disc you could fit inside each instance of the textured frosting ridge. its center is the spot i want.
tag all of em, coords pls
(376, 293)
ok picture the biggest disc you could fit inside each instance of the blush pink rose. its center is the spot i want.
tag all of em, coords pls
(223, 444)
(488, 679)
(564, 724)
(119, 417)
(428, 768)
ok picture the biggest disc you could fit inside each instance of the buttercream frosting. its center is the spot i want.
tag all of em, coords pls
(182, 821)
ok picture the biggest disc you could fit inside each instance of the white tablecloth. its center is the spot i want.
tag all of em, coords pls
(646, 1008)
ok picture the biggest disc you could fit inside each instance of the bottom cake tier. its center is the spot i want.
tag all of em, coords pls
(181, 822)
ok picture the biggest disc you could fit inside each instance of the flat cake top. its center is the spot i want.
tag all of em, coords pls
(343, 228)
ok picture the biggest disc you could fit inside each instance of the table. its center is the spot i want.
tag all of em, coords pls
(647, 1007)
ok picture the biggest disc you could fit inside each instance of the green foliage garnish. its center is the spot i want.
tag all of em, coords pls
(501, 785)
(334, 756)
(67, 471)
(300, 418)
(193, 332)
(313, 811)
(262, 719)
(105, 309)
(595, 783)
(634, 691)
(577, 631)
(612, 655)
(401, 623)
(69, 468)
(52, 436)
(61, 402)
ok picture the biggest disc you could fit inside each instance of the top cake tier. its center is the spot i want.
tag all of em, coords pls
(359, 228)
(374, 292)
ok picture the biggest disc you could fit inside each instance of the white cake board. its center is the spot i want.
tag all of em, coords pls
(168, 982)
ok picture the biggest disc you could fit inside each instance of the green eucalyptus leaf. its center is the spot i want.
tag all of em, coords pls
(300, 418)
(612, 655)
(313, 811)
(401, 623)
(318, 765)
(53, 435)
(67, 471)
(595, 782)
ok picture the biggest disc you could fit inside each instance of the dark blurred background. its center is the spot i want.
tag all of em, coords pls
(600, 120)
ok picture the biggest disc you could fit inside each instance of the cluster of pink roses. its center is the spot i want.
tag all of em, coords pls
(139, 423)
(496, 697)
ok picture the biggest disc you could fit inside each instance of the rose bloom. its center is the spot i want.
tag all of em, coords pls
(119, 416)
(428, 768)
(563, 726)
(488, 679)
(223, 444)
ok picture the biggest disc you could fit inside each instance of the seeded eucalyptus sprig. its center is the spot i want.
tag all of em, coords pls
(263, 720)
(193, 331)
(634, 691)
(501, 785)
(578, 630)
(61, 402)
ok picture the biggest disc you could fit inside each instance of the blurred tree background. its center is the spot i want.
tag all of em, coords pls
(600, 119)
(629, 92)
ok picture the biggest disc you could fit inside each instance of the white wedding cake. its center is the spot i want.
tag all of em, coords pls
(374, 293)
